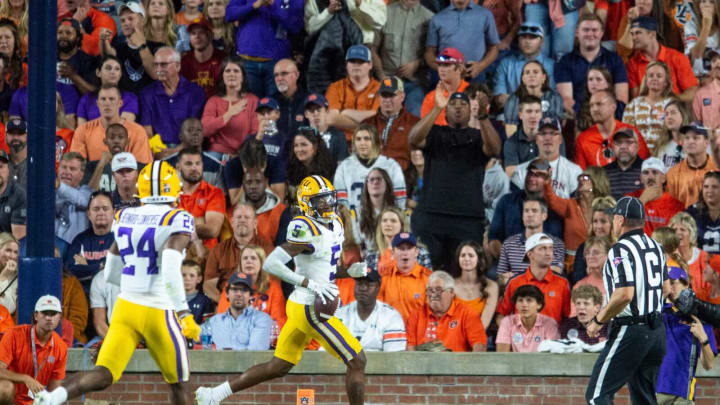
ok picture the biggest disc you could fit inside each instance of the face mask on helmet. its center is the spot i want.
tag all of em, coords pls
(323, 205)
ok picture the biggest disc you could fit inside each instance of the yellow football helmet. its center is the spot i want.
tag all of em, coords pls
(158, 183)
(316, 198)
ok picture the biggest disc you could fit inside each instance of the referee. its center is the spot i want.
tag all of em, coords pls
(635, 276)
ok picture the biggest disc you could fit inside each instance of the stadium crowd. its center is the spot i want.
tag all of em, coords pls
(477, 151)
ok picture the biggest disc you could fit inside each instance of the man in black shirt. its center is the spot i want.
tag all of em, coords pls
(624, 172)
(133, 50)
(451, 208)
(74, 66)
(290, 96)
(635, 277)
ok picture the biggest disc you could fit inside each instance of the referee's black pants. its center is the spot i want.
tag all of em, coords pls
(633, 354)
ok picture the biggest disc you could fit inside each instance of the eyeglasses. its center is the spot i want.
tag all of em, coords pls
(283, 74)
(584, 177)
(374, 179)
(607, 152)
(307, 131)
(163, 64)
(436, 290)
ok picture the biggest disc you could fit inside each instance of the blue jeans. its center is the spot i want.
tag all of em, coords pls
(414, 96)
(261, 81)
(558, 41)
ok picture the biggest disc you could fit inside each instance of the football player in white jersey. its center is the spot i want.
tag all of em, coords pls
(314, 241)
(145, 261)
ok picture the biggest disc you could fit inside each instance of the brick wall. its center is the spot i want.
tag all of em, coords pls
(384, 389)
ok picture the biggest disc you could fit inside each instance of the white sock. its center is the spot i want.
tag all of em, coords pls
(59, 395)
(222, 391)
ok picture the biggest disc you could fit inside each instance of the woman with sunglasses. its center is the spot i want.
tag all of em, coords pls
(668, 147)
(576, 212)
(600, 227)
(534, 81)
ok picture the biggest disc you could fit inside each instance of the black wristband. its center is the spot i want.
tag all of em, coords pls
(482, 117)
(705, 343)
(597, 321)
(141, 47)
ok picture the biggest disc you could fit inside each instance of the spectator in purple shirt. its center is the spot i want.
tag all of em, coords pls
(167, 102)
(68, 95)
(110, 74)
(263, 36)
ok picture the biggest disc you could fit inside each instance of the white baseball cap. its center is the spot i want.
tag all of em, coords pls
(653, 163)
(123, 160)
(535, 241)
(48, 303)
(135, 7)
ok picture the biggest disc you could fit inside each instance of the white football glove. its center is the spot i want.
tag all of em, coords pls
(358, 270)
(326, 291)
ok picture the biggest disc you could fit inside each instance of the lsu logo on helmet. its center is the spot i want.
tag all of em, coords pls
(316, 198)
(158, 183)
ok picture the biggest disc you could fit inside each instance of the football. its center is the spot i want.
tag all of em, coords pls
(325, 311)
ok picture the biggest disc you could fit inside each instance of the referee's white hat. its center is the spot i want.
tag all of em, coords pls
(630, 207)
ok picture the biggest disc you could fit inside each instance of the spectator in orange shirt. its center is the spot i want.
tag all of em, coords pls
(445, 320)
(267, 295)
(660, 206)
(594, 145)
(202, 200)
(224, 257)
(404, 279)
(273, 216)
(89, 138)
(711, 275)
(646, 46)
(355, 98)
(684, 180)
(17, 371)
(89, 18)
(451, 69)
(556, 289)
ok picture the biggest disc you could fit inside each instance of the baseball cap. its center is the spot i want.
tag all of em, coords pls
(459, 96)
(200, 22)
(135, 7)
(653, 163)
(123, 160)
(550, 120)
(236, 278)
(629, 207)
(373, 275)
(695, 126)
(391, 85)
(539, 164)
(358, 52)
(677, 273)
(404, 237)
(531, 28)
(625, 132)
(535, 241)
(450, 55)
(16, 125)
(48, 303)
(645, 22)
(267, 102)
(316, 99)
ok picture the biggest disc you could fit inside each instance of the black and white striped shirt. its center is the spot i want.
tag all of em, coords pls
(636, 260)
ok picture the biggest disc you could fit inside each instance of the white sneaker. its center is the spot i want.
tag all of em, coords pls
(203, 396)
(42, 398)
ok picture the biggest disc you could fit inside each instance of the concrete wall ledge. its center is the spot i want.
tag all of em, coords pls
(399, 363)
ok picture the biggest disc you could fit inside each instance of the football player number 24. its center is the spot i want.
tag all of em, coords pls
(145, 248)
